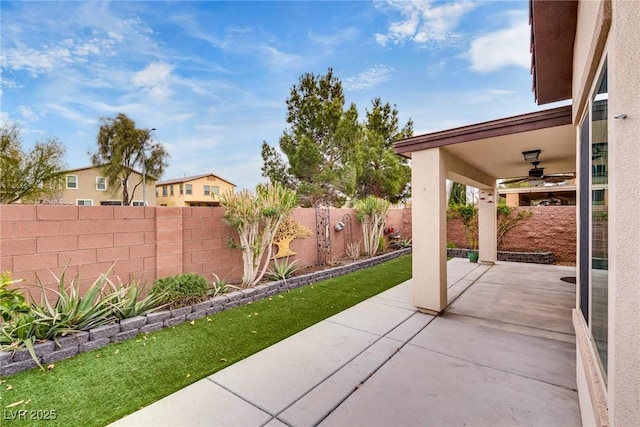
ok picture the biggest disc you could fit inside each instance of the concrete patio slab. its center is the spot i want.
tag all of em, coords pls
(275, 423)
(370, 316)
(531, 276)
(501, 354)
(542, 309)
(419, 387)
(398, 296)
(508, 351)
(410, 327)
(276, 377)
(200, 404)
(459, 268)
(324, 398)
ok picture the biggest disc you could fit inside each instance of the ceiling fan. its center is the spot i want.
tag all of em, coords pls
(536, 174)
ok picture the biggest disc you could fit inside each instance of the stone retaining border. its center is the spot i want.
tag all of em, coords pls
(66, 347)
(529, 257)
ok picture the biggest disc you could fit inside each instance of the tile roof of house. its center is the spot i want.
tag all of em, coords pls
(191, 178)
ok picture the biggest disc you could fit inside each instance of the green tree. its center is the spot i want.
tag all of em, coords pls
(319, 142)
(28, 175)
(380, 172)
(124, 149)
(458, 194)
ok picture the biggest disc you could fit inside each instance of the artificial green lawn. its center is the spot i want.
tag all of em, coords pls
(101, 386)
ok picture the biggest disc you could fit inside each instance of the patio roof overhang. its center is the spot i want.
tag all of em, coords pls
(495, 147)
(553, 29)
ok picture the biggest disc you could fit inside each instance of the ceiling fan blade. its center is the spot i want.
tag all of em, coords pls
(515, 180)
(557, 178)
(561, 175)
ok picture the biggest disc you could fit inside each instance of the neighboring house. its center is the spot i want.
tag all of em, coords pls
(587, 52)
(89, 187)
(198, 190)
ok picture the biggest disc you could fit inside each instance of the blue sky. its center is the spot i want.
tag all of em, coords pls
(212, 77)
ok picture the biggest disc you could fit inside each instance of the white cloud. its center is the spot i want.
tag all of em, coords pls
(333, 39)
(156, 79)
(506, 47)
(368, 79)
(423, 21)
(27, 113)
(277, 60)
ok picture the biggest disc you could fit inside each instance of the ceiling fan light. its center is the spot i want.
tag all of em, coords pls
(531, 156)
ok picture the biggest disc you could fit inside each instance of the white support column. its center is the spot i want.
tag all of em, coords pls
(429, 230)
(487, 225)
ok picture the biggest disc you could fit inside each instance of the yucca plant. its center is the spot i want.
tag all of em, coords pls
(256, 218)
(282, 269)
(371, 212)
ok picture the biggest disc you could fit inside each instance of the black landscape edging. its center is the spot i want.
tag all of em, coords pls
(81, 342)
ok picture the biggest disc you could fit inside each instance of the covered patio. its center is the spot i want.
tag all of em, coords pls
(503, 353)
(476, 155)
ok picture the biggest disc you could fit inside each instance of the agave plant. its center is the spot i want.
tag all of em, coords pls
(219, 286)
(282, 269)
(128, 301)
(22, 330)
(72, 312)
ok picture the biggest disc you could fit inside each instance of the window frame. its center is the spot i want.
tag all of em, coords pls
(84, 200)
(188, 189)
(98, 178)
(66, 182)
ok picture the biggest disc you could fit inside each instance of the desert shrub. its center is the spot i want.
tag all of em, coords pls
(181, 290)
(353, 250)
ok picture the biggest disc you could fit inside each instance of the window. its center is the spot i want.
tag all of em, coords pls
(164, 191)
(84, 202)
(72, 182)
(111, 203)
(207, 190)
(172, 190)
(594, 208)
(101, 183)
(189, 189)
(181, 189)
(599, 217)
(215, 189)
(137, 203)
(157, 192)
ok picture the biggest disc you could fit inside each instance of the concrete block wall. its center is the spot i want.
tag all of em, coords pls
(141, 243)
(86, 240)
(549, 228)
(152, 242)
